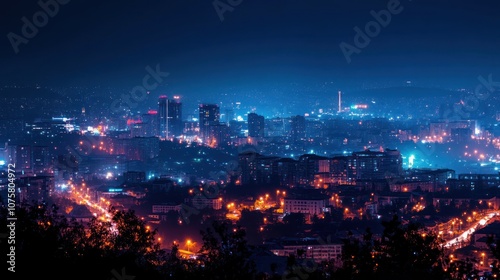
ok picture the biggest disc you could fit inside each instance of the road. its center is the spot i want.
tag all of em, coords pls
(80, 195)
(466, 234)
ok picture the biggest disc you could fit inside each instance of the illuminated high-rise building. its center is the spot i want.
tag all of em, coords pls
(255, 125)
(175, 123)
(209, 116)
(298, 128)
(41, 159)
(162, 116)
(23, 159)
(374, 165)
(340, 101)
(169, 117)
(150, 122)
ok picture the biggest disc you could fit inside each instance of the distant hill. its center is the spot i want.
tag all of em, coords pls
(404, 92)
(29, 93)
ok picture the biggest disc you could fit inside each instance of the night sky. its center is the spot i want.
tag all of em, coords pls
(109, 43)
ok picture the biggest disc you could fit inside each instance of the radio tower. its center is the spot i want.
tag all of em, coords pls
(340, 101)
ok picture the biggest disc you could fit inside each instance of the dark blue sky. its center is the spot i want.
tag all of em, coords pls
(109, 43)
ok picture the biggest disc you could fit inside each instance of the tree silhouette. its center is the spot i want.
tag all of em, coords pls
(494, 245)
(402, 252)
(225, 253)
(462, 269)
(51, 245)
(358, 260)
(295, 220)
(251, 222)
(409, 251)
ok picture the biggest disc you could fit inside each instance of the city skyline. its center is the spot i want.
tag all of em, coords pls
(259, 140)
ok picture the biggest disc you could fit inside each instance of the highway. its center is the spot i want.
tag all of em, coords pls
(81, 196)
(462, 239)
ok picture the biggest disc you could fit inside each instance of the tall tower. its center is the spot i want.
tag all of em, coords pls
(150, 120)
(169, 116)
(175, 125)
(255, 125)
(298, 128)
(340, 101)
(163, 116)
(209, 116)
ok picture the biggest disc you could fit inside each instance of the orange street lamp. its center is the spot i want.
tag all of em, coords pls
(188, 242)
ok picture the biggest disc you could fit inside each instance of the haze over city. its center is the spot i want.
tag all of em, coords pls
(179, 139)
